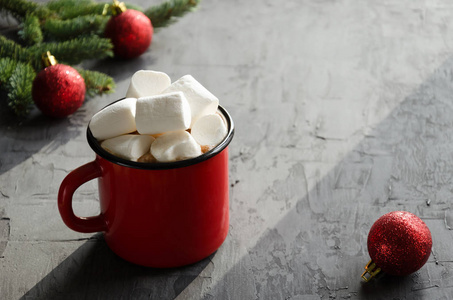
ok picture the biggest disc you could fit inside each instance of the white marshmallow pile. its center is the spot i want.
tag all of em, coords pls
(160, 121)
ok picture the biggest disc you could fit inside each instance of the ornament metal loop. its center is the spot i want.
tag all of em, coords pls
(371, 270)
(105, 10)
(118, 7)
(48, 59)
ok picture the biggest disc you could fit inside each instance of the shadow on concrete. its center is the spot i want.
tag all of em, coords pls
(94, 272)
(22, 137)
(318, 248)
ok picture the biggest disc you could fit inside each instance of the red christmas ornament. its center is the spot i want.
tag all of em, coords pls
(399, 243)
(58, 90)
(130, 31)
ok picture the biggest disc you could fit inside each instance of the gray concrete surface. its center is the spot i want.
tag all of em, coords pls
(343, 112)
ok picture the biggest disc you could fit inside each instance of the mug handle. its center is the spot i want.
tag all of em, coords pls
(69, 185)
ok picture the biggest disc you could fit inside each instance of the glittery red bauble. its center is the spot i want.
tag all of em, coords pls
(131, 33)
(58, 90)
(399, 243)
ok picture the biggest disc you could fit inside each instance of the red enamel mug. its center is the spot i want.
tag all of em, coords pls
(156, 214)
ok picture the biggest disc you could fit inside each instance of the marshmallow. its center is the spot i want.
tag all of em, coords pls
(147, 83)
(173, 146)
(147, 158)
(128, 146)
(201, 101)
(162, 113)
(209, 130)
(114, 120)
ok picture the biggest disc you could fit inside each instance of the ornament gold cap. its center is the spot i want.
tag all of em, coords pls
(48, 59)
(371, 270)
(118, 7)
(106, 9)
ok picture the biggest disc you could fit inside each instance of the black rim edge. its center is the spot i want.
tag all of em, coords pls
(160, 166)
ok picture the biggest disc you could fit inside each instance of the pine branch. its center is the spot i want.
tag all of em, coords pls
(97, 83)
(31, 32)
(7, 66)
(21, 8)
(79, 26)
(133, 6)
(69, 9)
(18, 8)
(164, 14)
(16, 79)
(74, 51)
(9, 48)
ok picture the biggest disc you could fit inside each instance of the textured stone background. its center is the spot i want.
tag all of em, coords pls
(343, 112)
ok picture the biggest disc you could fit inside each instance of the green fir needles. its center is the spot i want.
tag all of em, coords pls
(164, 14)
